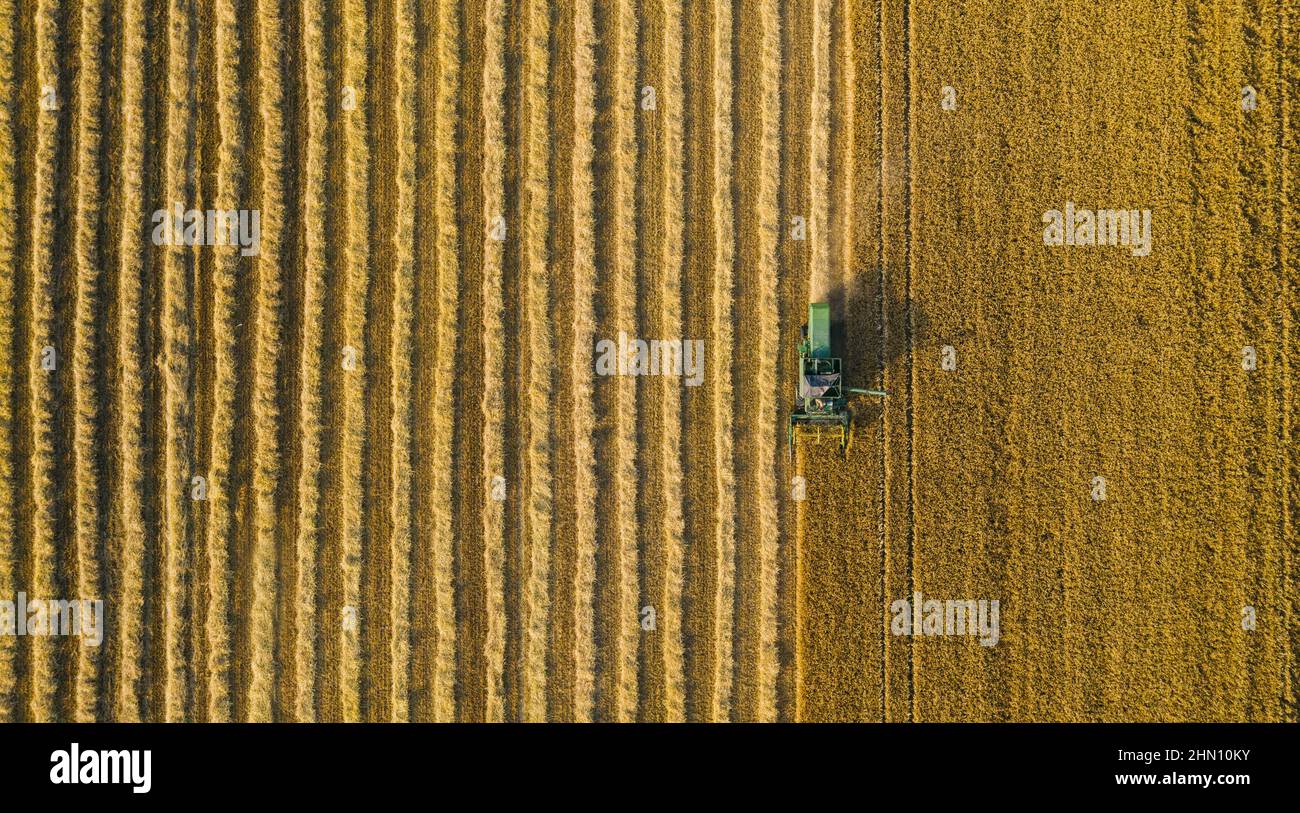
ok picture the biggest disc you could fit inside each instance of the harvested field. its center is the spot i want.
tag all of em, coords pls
(367, 436)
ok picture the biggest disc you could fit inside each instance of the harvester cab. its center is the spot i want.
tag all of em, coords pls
(821, 401)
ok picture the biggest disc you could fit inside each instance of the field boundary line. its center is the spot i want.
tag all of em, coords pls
(910, 327)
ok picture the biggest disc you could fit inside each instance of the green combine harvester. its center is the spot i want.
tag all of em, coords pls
(821, 400)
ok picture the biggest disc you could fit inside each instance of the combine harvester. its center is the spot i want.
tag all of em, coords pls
(821, 400)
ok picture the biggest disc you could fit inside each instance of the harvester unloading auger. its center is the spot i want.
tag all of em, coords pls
(821, 400)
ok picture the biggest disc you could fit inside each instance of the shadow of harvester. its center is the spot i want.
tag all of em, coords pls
(873, 331)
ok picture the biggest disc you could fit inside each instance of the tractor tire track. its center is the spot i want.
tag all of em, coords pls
(898, 346)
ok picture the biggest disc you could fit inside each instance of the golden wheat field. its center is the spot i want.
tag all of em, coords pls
(340, 446)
